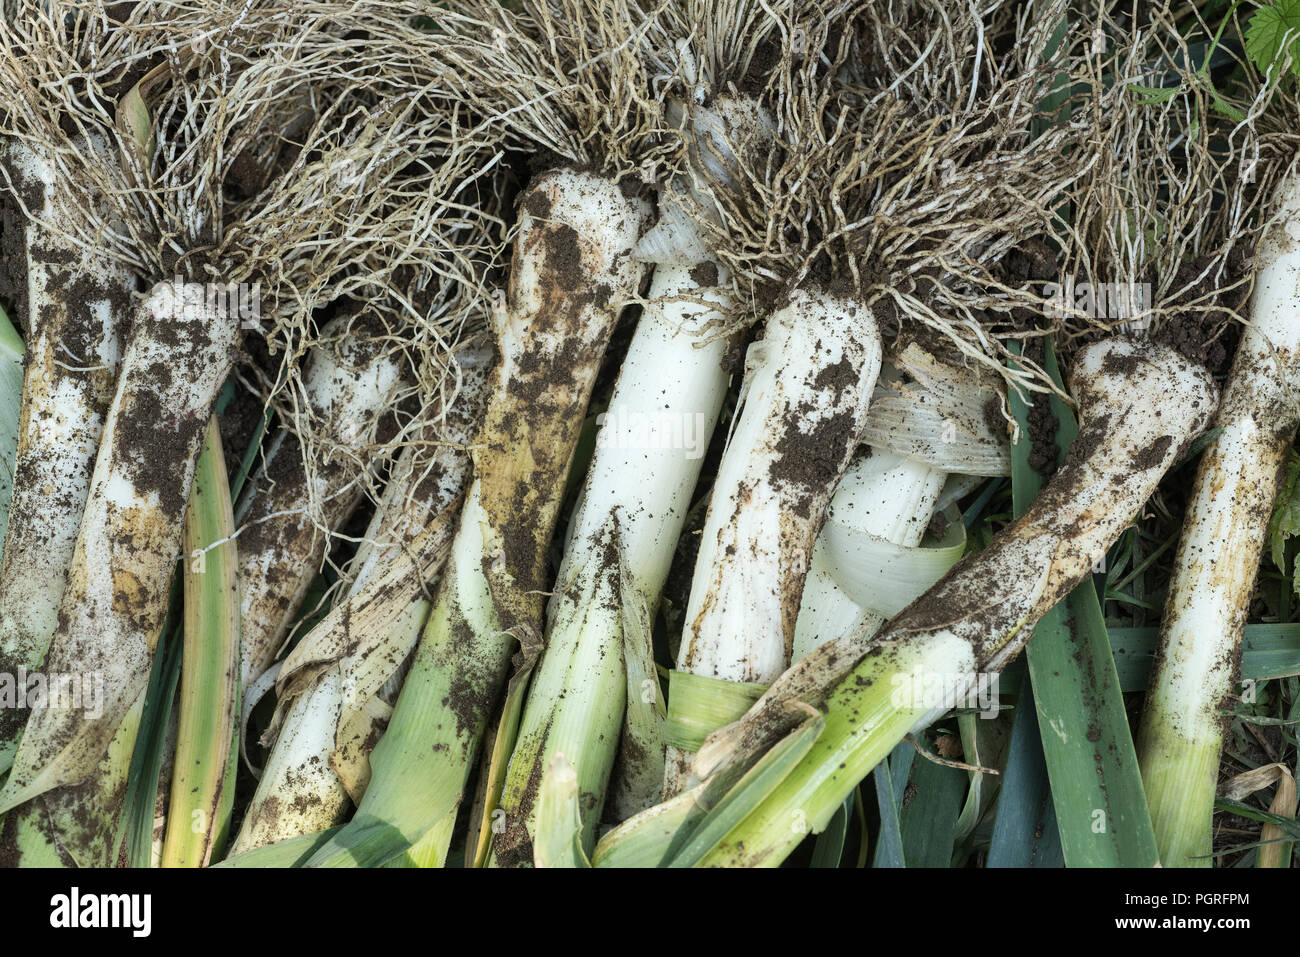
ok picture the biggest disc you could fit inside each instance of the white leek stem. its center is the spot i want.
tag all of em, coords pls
(1181, 735)
(281, 547)
(807, 387)
(77, 301)
(113, 611)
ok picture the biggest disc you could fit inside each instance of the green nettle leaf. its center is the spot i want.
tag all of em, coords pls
(1285, 522)
(1271, 30)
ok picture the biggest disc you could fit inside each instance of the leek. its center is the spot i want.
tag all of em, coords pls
(803, 404)
(73, 332)
(112, 614)
(1181, 735)
(289, 511)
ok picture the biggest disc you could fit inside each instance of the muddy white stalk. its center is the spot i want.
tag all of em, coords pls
(178, 356)
(353, 638)
(77, 302)
(572, 271)
(804, 400)
(1140, 404)
(372, 682)
(320, 761)
(289, 510)
(423, 485)
(1181, 735)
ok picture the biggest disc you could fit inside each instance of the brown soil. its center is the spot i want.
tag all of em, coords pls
(811, 460)
(1032, 261)
(766, 58)
(10, 856)
(936, 344)
(705, 274)
(733, 360)
(513, 847)
(1208, 337)
(238, 423)
(471, 690)
(993, 419)
(1031, 264)
(1153, 454)
(248, 174)
(537, 203)
(633, 187)
(677, 587)
(1043, 451)
(154, 442)
(13, 259)
(565, 256)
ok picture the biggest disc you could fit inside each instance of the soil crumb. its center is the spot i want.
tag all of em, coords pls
(1043, 424)
(1207, 333)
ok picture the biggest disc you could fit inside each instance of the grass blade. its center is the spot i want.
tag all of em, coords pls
(1024, 830)
(828, 850)
(1269, 651)
(929, 816)
(891, 777)
(150, 745)
(1288, 826)
(209, 702)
